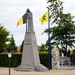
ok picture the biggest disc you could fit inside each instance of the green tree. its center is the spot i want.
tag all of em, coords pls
(56, 9)
(64, 33)
(73, 52)
(3, 38)
(43, 48)
(12, 46)
(21, 46)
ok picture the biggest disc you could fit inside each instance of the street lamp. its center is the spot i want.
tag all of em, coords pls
(9, 55)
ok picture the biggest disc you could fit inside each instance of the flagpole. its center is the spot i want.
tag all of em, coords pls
(48, 41)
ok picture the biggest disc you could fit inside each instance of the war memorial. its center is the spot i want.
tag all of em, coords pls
(30, 56)
(30, 63)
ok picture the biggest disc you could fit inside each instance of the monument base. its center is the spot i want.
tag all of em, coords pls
(41, 68)
(28, 68)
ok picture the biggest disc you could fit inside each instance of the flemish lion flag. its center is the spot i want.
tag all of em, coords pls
(44, 18)
(22, 20)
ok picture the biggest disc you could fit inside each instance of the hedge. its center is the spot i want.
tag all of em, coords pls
(15, 60)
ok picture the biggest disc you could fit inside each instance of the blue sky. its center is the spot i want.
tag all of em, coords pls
(12, 10)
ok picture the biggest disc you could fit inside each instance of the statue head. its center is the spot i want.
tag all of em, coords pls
(28, 10)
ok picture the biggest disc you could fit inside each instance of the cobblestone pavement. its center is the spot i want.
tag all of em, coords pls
(5, 71)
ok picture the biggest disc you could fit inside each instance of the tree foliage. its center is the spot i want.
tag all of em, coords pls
(3, 38)
(12, 46)
(64, 31)
(21, 46)
(56, 9)
(43, 48)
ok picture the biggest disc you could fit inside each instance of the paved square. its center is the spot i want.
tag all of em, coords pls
(5, 71)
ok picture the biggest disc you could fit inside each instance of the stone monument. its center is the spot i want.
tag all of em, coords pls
(55, 59)
(30, 56)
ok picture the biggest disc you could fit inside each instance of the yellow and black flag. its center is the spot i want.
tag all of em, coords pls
(22, 20)
(44, 18)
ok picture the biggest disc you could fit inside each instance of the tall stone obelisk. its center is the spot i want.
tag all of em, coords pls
(30, 56)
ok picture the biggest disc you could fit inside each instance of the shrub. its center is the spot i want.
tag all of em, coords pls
(73, 52)
(15, 60)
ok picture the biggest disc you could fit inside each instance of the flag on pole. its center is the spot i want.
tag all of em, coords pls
(44, 18)
(22, 20)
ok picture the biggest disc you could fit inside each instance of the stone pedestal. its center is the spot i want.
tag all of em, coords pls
(30, 56)
(55, 59)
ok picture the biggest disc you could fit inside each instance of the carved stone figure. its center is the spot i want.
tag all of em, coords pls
(30, 20)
